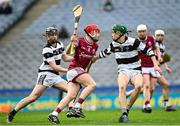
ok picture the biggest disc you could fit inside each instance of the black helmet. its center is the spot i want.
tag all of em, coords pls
(51, 30)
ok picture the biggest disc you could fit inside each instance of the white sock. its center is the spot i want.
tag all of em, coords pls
(55, 113)
(166, 103)
(144, 106)
(148, 105)
(77, 105)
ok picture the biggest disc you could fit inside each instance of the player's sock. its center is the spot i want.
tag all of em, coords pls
(166, 103)
(70, 107)
(79, 103)
(124, 111)
(147, 103)
(128, 108)
(13, 112)
(56, 111)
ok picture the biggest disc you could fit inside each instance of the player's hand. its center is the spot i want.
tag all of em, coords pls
(73, 37)
(158, 69)
(160, 59)
(94, 58)
(169, 70)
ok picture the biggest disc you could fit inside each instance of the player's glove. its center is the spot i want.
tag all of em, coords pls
(166, 58)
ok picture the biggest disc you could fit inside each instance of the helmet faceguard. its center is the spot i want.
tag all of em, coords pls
(91, 30)
(159, 35)
(51, 31)
(121, 29)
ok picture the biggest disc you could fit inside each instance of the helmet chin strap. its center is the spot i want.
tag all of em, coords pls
(94, 40)
(118, 38)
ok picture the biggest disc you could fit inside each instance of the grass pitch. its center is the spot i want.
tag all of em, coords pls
(101, 117)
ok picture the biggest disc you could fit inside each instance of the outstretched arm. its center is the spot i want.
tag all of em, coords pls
(57, 67)
(168, 69)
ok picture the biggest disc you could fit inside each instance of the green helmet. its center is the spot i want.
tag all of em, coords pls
(119, 28)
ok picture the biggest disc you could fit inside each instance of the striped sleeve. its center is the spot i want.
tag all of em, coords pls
(106, 51)
(48, 54)
(144, 49)
(63, 49)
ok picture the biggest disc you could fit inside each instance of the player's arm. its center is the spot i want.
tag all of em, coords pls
(168, 69)
(103, 53)
(158, 53)
(48, 55)
(57, 67)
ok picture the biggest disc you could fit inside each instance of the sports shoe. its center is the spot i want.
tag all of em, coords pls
(170, 108)
(123, 118)
(10, 118)
(77, 112)
(147, 110)
(70, 113)
(53, 119)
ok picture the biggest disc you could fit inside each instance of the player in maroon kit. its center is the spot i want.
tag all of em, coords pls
(85, 49)
(149, 74)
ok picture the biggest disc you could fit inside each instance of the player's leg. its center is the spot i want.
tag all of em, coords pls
(137, 82)
(89, 85)
(146, 92)
(35, 94)
(128, 93)
(62, 85)
(153, 81)
(123, 80)
(165, 85)
(73, 89)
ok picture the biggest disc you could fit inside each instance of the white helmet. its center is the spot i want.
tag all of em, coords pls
(141, 27)
(159, 32)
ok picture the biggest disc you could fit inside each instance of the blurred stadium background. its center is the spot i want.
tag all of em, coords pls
(21, 43)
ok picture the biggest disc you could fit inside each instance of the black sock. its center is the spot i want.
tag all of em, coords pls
(125, 113)
(70, 108)
(13, 112)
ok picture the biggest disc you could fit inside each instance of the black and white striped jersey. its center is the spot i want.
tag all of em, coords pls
(51, 53)
(161, 46)
(126, 54)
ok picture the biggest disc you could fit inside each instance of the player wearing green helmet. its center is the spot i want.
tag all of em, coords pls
(129, 68)
(119, 29)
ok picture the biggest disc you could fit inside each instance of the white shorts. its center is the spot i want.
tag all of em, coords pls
(129, 72)
(72, 74)
(48, 79)
(151, 71)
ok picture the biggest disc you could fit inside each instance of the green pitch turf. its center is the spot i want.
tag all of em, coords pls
(100, 117)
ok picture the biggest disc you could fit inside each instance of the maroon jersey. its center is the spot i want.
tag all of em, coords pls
(84, 51)
(145, 59)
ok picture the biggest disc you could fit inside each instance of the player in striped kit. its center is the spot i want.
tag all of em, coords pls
(129, 67)
(159, 39)
(48, 75)
(77, 75)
